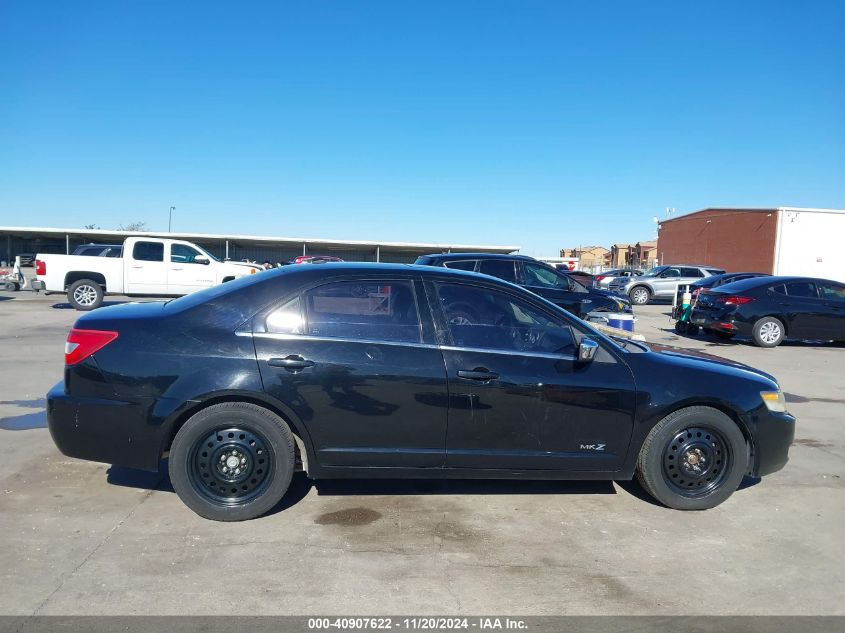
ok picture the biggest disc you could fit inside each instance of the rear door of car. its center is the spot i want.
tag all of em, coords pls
(802, 309)
(356, 360)
(517, 397)
(145, 267)
(833, 295)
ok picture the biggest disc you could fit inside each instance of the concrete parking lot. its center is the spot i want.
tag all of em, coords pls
(85, 538)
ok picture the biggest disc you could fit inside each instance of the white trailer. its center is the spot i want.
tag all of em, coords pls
(810, 243)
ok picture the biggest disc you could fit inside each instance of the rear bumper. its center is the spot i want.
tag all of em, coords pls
(773, 436)
(101, 430)
(726, 321)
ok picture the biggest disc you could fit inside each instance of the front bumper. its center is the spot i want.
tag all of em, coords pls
(773, 436)
(103, 430)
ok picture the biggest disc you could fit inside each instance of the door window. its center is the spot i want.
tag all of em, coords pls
(375, 311)
(501, 268)
(286, 320)
(487, 319)
(148, 251)
(466, 264)
(806, 289)
(541, 276)
(670, 272)
(182, 254)
(832, 292)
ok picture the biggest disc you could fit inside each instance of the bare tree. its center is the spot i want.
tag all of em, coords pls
(92, 226)
(133, 226)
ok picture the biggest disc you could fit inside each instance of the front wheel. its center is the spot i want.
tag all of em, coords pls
(640, 295)
(693, 459)
(232, 461)
(85, 294)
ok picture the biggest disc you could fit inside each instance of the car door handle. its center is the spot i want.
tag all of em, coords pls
(292, 362)
(177, 268)
(137, 266)
(479, 373)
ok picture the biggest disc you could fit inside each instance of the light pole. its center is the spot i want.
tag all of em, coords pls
(170, 218)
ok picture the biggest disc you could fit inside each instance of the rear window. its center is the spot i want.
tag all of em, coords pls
(374, 311)
(464, 264)
(148, 251)
(691, 272)
(802, 289)
(501, 268)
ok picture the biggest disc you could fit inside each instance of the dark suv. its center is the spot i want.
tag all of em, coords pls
(536, 276)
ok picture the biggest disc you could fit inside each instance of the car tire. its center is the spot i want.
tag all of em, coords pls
(681, 327)
(640, 295)
(232, 461)
(768, 332)
(85, 294)
(11, 286)
(693, 459)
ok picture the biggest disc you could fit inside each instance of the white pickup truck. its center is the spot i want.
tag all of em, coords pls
(149, 266)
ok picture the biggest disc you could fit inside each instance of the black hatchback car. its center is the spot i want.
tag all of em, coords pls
(558, 287)
(771, 309)
(706, 283)
(356, 370)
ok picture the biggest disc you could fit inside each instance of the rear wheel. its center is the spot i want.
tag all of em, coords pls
(232, 461)
(693, 459)
(768, 332)
(85, 294)
(640, 295)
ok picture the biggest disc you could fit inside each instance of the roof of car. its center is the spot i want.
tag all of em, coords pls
(454, 256)
(770, 280)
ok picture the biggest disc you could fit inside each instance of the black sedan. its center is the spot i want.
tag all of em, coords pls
(706, 283)
(539, 277)
(356, 370)
(771, 309)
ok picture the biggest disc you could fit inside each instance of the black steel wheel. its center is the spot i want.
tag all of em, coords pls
(231, 465)
(232, 461)
(693, 459)
(696, 461)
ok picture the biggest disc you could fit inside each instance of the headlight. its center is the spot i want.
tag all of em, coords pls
(774, 400)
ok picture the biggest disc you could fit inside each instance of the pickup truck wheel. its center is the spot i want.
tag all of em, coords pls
(693, 459)
(232, 461)
(85, 294)
(640, 295)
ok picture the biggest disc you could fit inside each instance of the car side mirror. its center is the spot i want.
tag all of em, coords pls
(587, 349)
(201, 259)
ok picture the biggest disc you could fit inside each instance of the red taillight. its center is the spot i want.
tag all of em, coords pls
(40, 267)
(599, 277)
(82, 343)
(735, 300)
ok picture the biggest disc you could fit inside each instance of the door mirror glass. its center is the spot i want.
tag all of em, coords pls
(587, 350)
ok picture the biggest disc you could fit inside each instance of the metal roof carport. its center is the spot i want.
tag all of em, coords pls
(17, 240)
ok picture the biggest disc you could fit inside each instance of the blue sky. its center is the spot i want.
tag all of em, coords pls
(544, 124)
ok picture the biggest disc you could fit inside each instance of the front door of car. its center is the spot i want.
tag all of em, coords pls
(833, 295)
(185, 274)
(518, 399)
(556, 287)
(145, 269)
(802, 309)
(349, 359)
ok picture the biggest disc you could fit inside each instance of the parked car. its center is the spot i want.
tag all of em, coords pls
(771, 309)
(316, 259)
(706, 283)
(362, 370)
(602, 280)
(151, 266)
(660, 282)
(26, 259)
(581, 276)
(99, 250)
(539, 277)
